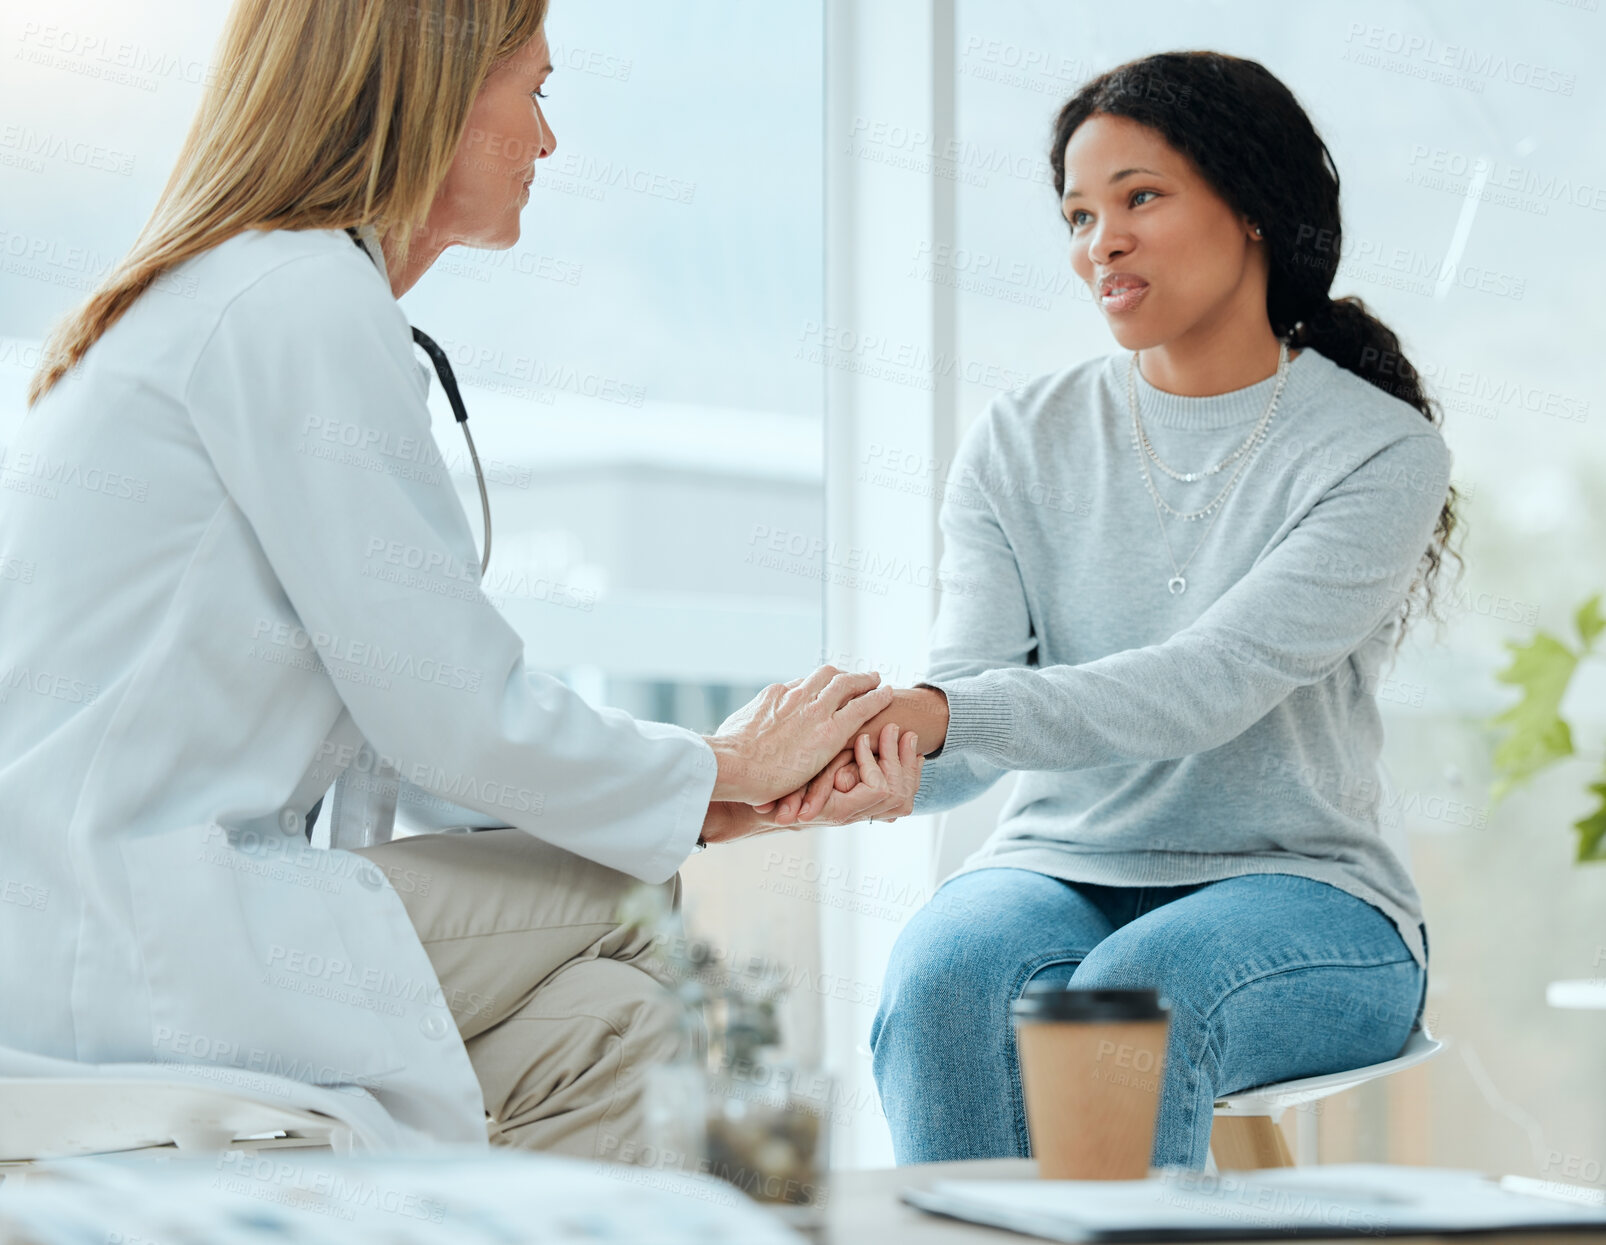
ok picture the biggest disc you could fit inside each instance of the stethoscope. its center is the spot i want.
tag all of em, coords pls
(443, 369)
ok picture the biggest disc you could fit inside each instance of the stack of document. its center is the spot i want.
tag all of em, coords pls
(1343, 1199)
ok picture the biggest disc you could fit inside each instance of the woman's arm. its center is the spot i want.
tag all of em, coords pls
(983, 623)
(1309, 602)
(1292, 620)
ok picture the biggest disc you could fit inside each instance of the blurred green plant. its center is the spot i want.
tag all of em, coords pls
(1535, 735)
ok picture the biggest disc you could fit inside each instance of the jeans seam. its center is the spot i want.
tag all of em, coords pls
(1266, 977)
(1195, 1070)
(1422, 1000)
(1295, 968)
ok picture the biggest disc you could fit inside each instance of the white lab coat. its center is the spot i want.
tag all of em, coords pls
(229, 555)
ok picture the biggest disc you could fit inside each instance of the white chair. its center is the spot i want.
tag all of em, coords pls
(1244, 1133)
(55, 1109)
(51, 1117)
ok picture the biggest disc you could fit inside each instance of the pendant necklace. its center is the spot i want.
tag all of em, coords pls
(1145, 451)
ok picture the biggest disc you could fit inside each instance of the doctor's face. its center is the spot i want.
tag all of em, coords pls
(489, 182)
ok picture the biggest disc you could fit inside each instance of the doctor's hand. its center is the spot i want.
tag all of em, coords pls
(884, 792)
(783, 737)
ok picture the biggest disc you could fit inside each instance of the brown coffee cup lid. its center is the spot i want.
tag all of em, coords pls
(1059, 1000)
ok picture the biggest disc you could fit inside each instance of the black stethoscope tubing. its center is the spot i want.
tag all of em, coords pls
(443, 369)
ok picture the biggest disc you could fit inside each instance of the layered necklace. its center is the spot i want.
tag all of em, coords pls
(1242, 455)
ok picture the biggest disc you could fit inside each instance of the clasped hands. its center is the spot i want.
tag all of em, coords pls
(827, 749)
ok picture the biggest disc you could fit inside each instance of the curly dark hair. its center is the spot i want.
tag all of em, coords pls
(1252, 142)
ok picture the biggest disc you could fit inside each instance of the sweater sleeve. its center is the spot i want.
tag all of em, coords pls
(1310, 600)
(983, 622)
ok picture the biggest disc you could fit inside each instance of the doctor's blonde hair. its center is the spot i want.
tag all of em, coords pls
(321, 114)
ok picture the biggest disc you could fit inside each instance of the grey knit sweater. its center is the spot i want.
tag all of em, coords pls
(1170, 739)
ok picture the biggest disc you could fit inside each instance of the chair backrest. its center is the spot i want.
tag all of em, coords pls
(1391, 822)
(362, 804)
(962, 830)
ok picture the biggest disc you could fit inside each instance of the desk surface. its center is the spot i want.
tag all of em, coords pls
(863, 1207)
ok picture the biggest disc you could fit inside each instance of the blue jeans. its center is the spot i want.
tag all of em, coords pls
(1270, 977)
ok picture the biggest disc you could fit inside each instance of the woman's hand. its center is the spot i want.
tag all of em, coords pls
(886, 793)
(883, 790)
(783, 736)
(923, 710)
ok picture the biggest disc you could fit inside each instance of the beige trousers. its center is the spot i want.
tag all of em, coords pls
(554, 1001)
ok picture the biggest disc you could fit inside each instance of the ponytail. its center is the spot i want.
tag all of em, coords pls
(1343, 330)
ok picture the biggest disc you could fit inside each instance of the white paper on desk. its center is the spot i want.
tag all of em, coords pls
(1342, 1199)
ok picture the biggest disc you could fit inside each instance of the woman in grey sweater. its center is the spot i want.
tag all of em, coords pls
(1188, 562)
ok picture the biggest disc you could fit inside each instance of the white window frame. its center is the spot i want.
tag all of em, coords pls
(891, 63)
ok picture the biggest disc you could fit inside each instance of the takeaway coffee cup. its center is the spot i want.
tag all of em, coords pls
(1091, 1063)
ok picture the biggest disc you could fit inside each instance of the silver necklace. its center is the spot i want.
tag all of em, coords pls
(1255, 437)
(1177, 583)
(1188, 477)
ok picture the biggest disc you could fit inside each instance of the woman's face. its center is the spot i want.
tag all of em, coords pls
(1161, 251)
(489, 181)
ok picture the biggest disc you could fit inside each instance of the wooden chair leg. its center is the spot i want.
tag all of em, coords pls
(1244, 1142)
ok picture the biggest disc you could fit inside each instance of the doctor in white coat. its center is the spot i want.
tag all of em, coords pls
(224, 446)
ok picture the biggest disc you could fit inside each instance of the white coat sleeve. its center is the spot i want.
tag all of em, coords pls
(306, 397)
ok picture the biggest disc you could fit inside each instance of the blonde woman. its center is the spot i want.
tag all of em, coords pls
(223, 445)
